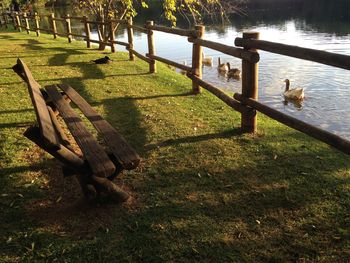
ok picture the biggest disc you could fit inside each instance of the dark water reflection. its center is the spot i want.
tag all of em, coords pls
(323, 25)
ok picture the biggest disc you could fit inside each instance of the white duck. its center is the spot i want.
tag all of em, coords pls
(293, 94)
(207, 61)
(222, 68)
(233, 72)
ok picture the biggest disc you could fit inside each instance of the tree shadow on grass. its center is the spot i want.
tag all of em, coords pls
(14, 125)
(162, 96)
(8, 37)
(194, 139)
(260, 209)
(243, 211)
(233, 215)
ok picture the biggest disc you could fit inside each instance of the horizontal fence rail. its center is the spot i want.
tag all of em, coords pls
(139, 28)
(322, 135)
(140, 56)
(323, 57)
(229, 50)
(236, 105)
(245, 49)
(176, 31)
(170, 63)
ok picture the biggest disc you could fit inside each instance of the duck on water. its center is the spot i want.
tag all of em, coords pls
(293, 94)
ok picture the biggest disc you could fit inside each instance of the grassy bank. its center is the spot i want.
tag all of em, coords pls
(203, 192)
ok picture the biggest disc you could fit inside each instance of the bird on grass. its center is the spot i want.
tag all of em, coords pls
(103, 60)
(293, 94)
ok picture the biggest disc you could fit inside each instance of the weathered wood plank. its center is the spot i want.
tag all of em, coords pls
(252, 57)
(137, 54)
(93, 152)
(120, 43)
(42, 114)
(170, 62)
(236, 105)
(319, 56)
(120, 148)
(170, 30)
(139, 28)
(63, 154)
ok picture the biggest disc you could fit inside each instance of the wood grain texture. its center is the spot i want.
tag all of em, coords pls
(120, 148)
(93, 152)
(42, 114)
(323, 57)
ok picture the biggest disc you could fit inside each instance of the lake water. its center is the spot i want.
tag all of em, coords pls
(327, 89)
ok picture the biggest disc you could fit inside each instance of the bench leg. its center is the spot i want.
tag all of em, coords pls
(111, 189)
(118, 170)
(73, 163)
(66, 156)
(91, 185)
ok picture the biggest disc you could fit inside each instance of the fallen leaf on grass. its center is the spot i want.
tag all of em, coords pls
(59, 199)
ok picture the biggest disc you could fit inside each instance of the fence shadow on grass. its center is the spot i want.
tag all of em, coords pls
(238, 208)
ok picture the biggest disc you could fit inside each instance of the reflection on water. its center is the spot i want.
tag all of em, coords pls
(327, 89)
(327, 92)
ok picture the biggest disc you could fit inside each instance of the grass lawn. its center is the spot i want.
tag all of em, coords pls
(203, 193)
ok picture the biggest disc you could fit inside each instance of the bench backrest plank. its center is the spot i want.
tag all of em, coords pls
(93, 152)
(42, 114)
(120, 148)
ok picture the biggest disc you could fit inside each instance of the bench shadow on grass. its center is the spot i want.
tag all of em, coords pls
(181, 204)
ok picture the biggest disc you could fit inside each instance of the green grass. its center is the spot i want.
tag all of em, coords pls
(203, 193)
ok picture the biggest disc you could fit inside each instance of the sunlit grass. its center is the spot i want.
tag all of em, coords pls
(202, 193)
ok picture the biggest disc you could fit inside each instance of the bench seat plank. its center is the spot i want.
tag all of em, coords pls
(47, 130)
(120, 148)
(93, 152)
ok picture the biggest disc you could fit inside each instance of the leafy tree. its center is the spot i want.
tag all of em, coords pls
(5, 3)
(192, 10)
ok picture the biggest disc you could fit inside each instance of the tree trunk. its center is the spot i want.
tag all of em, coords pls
(101, 46)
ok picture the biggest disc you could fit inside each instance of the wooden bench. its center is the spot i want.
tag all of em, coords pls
(97, 167)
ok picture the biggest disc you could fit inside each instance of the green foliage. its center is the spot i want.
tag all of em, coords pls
(5, 3)
(192, 10)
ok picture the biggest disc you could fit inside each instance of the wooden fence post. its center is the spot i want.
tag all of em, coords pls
(87, 32)
(112, 36)
(249, 86)
(69, 29)
(197, 53)
(26, 22)
(13, 16)
(37, 25)
(130, 39)
(53, 25)
(151, 48)
(5, 19)
(18, 22)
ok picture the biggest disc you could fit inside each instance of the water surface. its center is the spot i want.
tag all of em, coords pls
(318, 24)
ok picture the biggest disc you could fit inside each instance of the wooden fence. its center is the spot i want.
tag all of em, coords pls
(245, 49)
